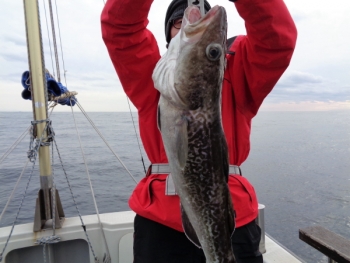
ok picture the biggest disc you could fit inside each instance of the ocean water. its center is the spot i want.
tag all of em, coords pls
(299, 165)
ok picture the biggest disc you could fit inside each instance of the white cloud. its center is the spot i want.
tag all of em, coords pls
(306, 106)
(297, 86)
(318, 71)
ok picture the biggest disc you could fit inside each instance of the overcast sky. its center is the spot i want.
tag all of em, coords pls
(317, 79)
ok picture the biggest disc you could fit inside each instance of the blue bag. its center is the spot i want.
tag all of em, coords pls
(54, 88)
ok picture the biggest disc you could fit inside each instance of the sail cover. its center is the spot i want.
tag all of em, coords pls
(54, 88)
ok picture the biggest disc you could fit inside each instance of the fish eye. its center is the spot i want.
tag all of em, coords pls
(213, 52)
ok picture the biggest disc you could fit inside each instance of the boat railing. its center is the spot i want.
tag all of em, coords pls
(334, 246)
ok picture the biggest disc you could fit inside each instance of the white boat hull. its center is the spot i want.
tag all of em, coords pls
(73, 247)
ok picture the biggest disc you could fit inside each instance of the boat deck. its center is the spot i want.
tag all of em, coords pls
(73, 247)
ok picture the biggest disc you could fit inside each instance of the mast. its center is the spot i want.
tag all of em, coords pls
(43, 210)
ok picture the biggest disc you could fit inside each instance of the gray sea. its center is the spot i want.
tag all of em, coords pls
(299, 165)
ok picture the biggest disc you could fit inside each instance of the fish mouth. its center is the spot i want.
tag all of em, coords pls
(194, 17)
(194, 25)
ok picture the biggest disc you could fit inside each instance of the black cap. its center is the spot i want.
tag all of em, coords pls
(175, 11)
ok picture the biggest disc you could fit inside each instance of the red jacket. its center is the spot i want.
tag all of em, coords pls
(259, 59)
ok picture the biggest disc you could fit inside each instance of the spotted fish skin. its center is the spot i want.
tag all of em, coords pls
(189, 77)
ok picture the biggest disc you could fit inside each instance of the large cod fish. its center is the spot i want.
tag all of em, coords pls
(189, 77)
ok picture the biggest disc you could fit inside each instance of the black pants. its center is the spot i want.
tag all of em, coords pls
(156, 243)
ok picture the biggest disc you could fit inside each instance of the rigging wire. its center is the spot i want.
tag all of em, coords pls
(53, 193)
(59, 32)
(14, 189)
(54, 42)
(74, 201)
(59, 35)
(35, 154)
(102, 137)
(106, 259)
(57, 62)
(14, 145)
(89, 178)
(136, 135)
(19, 178)
(137, 138)
(48, 35)
(53, 188)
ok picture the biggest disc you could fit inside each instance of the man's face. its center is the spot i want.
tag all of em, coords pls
(175, 27)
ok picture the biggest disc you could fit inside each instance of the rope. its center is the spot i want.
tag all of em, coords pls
(65, 95)
(106, 258)
(33, 149)
(105, 141)
(137, 138)
(46, 241)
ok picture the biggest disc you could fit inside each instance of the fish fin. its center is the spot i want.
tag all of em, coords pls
(231, 214)
(181, 138)
(225, 162)
(230, 208)
(158, 119)
(188, 229)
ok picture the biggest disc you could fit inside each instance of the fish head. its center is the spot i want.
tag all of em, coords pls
(201, 57)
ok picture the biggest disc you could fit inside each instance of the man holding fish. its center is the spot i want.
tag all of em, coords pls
(200, 103)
